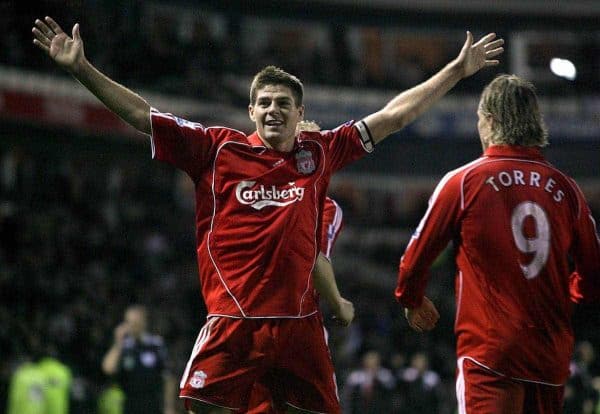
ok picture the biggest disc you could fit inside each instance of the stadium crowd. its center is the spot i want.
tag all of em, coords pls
(200, 53)
(88, 227)
(85, 232)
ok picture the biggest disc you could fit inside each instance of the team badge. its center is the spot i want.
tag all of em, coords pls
(198, 379)
(304, 162)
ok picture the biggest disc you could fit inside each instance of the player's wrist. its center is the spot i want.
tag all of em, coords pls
(78, 67)
(337, 304)
(457, 69)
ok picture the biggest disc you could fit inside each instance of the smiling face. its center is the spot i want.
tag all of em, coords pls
(276, 115)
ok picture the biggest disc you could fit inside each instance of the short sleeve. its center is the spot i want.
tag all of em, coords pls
(435, 230)
(347, 143)
(181, 143)
(331, 226)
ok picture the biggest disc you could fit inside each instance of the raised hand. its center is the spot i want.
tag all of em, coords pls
(121, 331)
(66, 51)
(474, 57)
(423, 318)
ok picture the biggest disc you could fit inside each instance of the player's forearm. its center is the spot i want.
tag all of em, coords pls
(325, 283)
(131, 107)
(410, 104)
(169, 393)
(110, 363)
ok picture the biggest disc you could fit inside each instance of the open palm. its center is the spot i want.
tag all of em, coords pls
(49, 36)
(474, 57)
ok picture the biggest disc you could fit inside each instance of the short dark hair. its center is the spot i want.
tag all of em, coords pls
(272, 75)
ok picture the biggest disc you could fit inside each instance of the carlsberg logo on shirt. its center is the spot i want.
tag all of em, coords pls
(261, 196)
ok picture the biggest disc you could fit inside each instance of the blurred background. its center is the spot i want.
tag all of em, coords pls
(89, 224)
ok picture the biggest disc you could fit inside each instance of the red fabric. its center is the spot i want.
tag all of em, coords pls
(257, 211)
(262, 400)
(484, 392)
(232, 354)
(513, 307)
(331, 226)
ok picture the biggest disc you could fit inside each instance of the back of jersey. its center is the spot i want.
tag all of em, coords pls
(516, 233)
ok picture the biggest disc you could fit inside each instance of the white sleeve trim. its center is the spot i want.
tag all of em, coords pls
(365, 136)
(152, 110)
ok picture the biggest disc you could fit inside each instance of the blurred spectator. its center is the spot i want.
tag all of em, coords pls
(26, 394)
(369, 389)
(111, 400)
(580, 395)
(420, 385)
(41, 384)
(58, 380)
(140, 363)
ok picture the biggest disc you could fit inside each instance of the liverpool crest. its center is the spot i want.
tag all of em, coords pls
(304, 162)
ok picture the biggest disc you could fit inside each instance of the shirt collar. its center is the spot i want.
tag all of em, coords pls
(255, 140)
(514, 151)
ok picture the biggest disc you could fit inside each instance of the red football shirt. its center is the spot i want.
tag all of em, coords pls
(516, 222)
(258, 211)
(332, 226)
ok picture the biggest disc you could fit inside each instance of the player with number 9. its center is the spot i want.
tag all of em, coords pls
(517, 222)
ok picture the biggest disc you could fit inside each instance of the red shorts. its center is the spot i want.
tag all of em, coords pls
(482, 391)
(289, 356)
(264, 401)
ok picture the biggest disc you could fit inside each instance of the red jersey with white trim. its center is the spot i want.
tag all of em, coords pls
(516, 221)
(258, 211)
(332, 226)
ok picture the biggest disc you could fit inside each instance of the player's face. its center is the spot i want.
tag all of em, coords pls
(276, 115)
(136, 321)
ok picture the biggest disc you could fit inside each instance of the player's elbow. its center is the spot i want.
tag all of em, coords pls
(141, 121)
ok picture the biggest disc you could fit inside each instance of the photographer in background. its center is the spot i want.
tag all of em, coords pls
(139, 361)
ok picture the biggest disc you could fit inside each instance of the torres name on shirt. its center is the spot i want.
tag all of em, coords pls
(510, 178)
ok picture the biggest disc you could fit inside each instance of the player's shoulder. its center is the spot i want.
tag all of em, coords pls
(218, 131)
(458, 175)
(225, 134)
(327, 133)
(313, 135)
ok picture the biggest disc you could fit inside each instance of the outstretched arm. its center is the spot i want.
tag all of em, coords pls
(324, 281)
(410, 104)
(68, 53)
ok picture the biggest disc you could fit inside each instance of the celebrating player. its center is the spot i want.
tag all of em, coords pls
(517, 222)
(259, 199)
